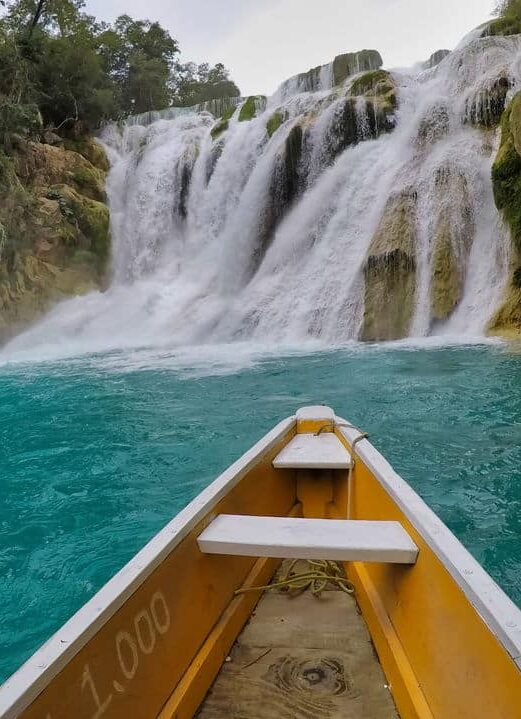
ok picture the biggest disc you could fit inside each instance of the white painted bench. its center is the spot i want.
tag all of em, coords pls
(295, 538)
(313, 451)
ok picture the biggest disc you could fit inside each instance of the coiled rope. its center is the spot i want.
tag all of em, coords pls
(322, 573)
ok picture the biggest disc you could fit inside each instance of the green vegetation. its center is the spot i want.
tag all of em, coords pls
(62, 70)
(194, 84)
(275, 121)
(390, 271)
(506, 171)
(248, 110)
(509, 20)
(372, 82)
(223, 123)
(506, 179)
(446, 278)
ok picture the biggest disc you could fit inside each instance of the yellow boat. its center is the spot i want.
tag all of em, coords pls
(398, 619)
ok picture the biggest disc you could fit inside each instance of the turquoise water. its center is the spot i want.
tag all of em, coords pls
(98, 454)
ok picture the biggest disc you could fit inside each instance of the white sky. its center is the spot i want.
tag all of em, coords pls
(264, 42)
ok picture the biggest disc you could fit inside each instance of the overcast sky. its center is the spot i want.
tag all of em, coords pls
(264, 42)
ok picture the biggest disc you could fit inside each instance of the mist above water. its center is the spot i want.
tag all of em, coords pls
(268, 239)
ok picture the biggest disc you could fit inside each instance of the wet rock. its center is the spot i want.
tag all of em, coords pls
(184, 171)
(506, 170)
(356, 120)
(486, 107)
(434, 125)
(452, 242)
(251, 107)
(51, 138)
(276, 120)
(351, 63)
(390, 272)
(435, 59)
(285, 185)
(374, 83)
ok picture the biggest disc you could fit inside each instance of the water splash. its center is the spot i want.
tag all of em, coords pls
(268, 239)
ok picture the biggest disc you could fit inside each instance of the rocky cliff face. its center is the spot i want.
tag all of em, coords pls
(506, 177)
(54, 226)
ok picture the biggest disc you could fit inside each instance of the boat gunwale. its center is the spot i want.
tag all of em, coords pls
(493, 605)
(28, 682)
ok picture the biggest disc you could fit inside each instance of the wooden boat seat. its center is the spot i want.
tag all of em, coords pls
(313, 451)
(295, 538)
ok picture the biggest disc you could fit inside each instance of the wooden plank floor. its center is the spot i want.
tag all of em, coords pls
(301, 658)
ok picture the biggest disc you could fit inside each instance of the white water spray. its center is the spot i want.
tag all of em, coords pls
(239, 238)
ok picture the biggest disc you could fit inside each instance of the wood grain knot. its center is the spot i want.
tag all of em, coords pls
(324, 676)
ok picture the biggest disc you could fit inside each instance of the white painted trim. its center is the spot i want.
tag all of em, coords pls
(340, 540)
(496, 609)
(317, 413)
(30, 680)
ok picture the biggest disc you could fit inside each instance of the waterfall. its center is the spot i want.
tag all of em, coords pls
(365, 212)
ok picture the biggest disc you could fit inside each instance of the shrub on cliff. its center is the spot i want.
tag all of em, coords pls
(509, 21)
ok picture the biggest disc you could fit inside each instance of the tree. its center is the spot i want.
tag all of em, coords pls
(61, 67)
(194, 84)
(71, 84)
(138, 55)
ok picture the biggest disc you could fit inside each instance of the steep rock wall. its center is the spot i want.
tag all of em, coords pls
(54, 226)
(390, 272)
(506, 178)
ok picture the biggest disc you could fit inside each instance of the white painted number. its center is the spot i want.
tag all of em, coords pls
(128, 669)
(145, 632)
(148, 624)
(87, 680)
(160, 613)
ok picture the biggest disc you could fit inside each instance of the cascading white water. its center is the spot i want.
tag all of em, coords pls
(237, 237)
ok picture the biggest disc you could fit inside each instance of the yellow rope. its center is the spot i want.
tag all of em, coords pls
(321, 574)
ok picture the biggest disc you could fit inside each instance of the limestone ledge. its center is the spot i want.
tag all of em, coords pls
(54, 226)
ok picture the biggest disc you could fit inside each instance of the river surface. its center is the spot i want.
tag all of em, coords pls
(98, 453)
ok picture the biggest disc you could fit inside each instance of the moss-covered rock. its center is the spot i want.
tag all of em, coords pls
(91, 182)
(276, 120)
(454, 230)
(506, 322)
(390, 272)
(502, 26)
(248, 109)
(375, 82)
(446, 283)
(89, 216)
(218, 129)
(506, 170)
(379, 87)
(506, 180)
(351, 63)
(55, 230)
(89, 148)
(40, 166)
